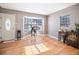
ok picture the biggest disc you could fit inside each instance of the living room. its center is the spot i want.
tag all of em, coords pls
(55, 29)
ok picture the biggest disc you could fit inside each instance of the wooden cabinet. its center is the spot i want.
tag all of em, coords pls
(70, 38)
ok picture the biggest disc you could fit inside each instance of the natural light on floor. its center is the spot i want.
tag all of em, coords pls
(36, 49)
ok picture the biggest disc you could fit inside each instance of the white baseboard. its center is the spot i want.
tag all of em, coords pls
(30, 35)
(52, 36)
(43, 35)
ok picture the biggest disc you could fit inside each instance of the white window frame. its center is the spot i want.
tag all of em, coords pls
(33, 18)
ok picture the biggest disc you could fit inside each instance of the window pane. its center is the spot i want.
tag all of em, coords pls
(65, 20)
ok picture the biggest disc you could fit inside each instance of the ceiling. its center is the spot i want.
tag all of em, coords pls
(38, 8)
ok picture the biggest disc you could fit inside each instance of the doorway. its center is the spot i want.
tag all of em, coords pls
(7, 26)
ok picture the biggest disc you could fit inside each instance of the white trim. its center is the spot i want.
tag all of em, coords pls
(43, 20)
(42, 35)
(52, 36)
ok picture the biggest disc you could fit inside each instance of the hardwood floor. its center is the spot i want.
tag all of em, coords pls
(40, 45)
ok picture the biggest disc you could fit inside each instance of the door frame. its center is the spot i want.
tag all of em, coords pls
(12, 30)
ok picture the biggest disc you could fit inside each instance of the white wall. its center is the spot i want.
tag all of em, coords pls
(19, 18)
(19, 21)
(53, 25)
(54, 19)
